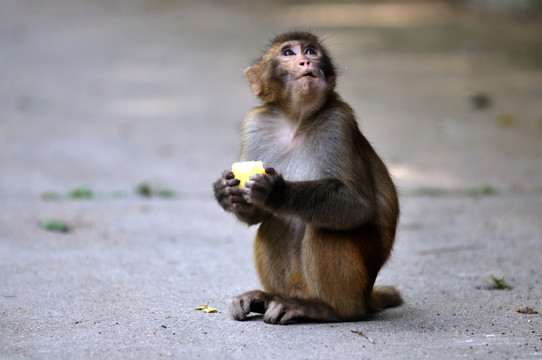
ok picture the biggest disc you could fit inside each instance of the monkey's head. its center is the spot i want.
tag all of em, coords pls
(296, 68)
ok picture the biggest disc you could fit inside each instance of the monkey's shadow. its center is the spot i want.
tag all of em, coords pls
(255, 317)
(386, 315)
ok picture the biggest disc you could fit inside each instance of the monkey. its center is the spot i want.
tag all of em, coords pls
(326, 207)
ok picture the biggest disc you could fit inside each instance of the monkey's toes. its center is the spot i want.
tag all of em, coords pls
(279, 313)
(239, 308)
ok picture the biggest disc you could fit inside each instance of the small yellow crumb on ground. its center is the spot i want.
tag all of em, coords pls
(206, 309)
(243, 170)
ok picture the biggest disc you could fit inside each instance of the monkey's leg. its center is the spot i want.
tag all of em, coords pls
(271, 249)
(336, 273)
(331, 284)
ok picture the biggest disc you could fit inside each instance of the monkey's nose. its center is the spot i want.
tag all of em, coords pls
(304, 62)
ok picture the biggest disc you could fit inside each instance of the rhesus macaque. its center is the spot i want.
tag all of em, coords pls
(327, 207)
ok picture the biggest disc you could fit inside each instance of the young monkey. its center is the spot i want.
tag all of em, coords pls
(327, 207)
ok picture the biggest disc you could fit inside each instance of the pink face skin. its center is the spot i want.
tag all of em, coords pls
(302, 63)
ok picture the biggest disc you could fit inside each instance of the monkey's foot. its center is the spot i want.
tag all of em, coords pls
(252, 301)
(282, 312)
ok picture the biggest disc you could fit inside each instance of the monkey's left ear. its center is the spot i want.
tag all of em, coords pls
(251, 73)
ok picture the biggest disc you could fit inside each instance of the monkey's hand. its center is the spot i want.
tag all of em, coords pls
(228, 195)
(265, 190)
(232, 199)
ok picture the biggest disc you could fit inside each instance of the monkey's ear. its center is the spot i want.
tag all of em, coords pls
(251, 73)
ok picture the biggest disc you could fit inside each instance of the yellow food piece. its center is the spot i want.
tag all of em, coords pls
(243, 170)
(206, 309)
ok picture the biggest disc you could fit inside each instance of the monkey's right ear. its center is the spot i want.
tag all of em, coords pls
(252, 75)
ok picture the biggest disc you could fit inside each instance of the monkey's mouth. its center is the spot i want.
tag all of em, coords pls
(309, 74)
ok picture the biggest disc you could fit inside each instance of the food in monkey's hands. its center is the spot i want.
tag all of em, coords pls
(244, 169)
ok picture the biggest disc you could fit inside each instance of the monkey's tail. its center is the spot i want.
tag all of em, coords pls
(383, 297)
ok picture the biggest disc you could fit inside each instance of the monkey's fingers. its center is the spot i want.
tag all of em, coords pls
(232, 182)
(287, 317)
(248, 197)
(232, 190)
(273, 313)
(228, 175)
(282, 312)
(270, 171)
(237, 199)
(258, 189)
(276, 312)
(253, 180)
(240, 308)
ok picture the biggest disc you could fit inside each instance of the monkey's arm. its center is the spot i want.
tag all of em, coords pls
(231, 198)
(326, 203)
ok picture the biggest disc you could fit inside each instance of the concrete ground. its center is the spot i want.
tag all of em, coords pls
(108, 95)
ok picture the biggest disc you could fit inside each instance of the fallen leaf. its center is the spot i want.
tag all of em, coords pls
(206, 309)
(526, 310)
(359, 332)
(507, 120)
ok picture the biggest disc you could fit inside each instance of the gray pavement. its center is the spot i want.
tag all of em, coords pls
(110, 94)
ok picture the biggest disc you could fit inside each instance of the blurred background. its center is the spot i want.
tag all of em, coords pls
(109, 94)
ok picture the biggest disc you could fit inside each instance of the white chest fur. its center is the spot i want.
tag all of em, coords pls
(276, 141)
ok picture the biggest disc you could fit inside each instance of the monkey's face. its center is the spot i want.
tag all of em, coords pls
(298, 65)
(295, 71)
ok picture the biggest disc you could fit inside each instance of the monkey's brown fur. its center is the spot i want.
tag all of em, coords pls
(327, 208)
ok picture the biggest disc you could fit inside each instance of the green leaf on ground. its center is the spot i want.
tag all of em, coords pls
(428, 191)
(144, 189)
(80, 193)
(166, 193)
(53, 225)
(483, 190)
(499, 284)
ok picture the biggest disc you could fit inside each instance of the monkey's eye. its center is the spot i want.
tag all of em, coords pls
(310, 51)
(288, 52)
